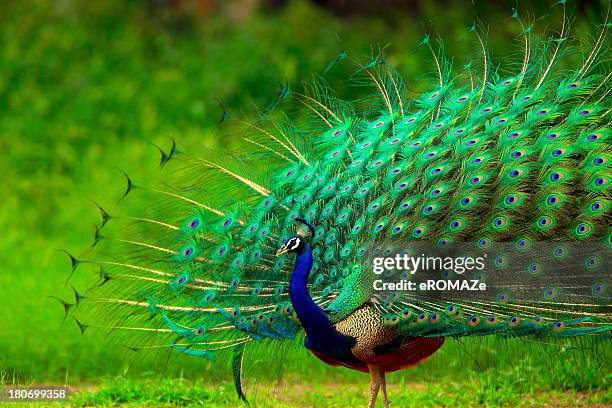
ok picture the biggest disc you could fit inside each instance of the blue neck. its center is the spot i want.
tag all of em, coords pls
(313, 319)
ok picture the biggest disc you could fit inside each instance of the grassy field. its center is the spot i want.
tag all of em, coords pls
(84, 90)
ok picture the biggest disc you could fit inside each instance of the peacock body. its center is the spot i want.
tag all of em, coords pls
(194, 263)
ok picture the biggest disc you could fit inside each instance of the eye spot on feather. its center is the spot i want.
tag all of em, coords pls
(534, 269)
(194, 223)
(289, 173)
(583, 229)
(501, 261)
(436, 192)
(500, 121)
(506, 83)
(523, 243)
(437, 170)
(438, 125)
(428, 209)
(560, 251)
(558, 326)
(422, 317)
(474, 180)
(474, 321)
(416, 144)
(598, 161)
(499, 222)
(542, 112)
(396, 171)
(188, 251)
(599, 181)
(460, 131)
(554, 176)
(484, 242)
(430, 155)
(599, 289)
(485, 110)
(592, 262)
(551, 293)
(557, 152)
(573, 85)
(516, 154)
(538, 320)
(551, 136)
(434, 95)
(514, 321)
(379, 124)
(337, 133)
(592, 137)
(544, 221)
(462, 99)
(584, 112)
(411, 120)
(525, 98)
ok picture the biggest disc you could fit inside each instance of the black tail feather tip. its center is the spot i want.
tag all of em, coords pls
(105, 215)
(66, 305)
(130, 185)
(82, 326)
(165, 157)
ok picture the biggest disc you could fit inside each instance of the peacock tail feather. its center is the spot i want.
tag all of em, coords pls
(517, 154)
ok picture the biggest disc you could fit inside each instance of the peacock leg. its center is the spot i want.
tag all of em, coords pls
(384, 389)
(375, 382)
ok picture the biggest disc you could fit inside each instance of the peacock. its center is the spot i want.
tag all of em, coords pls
(275, 238)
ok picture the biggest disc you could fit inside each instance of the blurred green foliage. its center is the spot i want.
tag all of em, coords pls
(86, 86)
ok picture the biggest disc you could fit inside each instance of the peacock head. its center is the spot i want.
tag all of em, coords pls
(296, 243)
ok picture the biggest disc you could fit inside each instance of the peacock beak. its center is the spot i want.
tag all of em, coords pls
(282, 250)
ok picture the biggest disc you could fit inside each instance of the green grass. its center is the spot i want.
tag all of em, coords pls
(183, 393)
(83, 92)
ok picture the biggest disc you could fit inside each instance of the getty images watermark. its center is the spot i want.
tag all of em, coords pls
(406, 265)
(485, 271)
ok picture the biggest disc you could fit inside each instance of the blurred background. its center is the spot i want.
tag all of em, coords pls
(87, 87)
